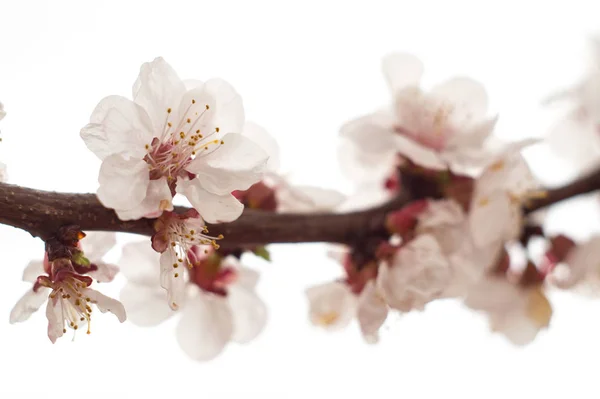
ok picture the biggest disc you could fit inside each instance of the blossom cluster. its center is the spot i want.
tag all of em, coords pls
(457, 226)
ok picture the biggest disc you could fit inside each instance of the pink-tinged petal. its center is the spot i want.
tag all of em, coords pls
(97, 243)
(439, 213)
(249, 313)
(118, 126)
(157, 89)
(331, 305)
(264, 140)
(123, 183)
(158, 199)
(140, 264)
(206, 326)
(229, 115)
(172, 278)
(364, 167)
(307, 199)
(468, 98)
(493, 220)
(107, 304)
(583, 264)
(419, 154)
(236, 165)
(145, 305)
(105, 272)
(28, 304)
(401, 70)
(56, 323)
(213, 208)
(33, 269)
(372, 312)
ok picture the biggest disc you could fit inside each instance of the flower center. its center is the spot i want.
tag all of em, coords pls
(182, 139)
(69, 292)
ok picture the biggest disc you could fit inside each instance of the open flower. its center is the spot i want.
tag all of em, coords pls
(173, 138)
(517, 312)
(446, 127)
(67, 290)
(220, 303)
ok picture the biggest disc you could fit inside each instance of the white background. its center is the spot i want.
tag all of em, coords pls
(303, 68)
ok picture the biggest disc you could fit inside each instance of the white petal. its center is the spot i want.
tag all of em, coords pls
(235, 165)
(372, 133)
(123, 183)
(441, 213)
(229, 115)
(105, 272)
(56, 323)
(213, 208)
(107, 304)
(249, 313)
(264, 140)
(33, 270)
(118, 125)
(307, 199)
(372, 312)
(331, 305)
(96, 244)
(493, 220)
(145, 305)
(172, 278)
(28, 304)
(361, 166)
(402, 70)
(2, 112)
(467, 96)
(206, 326)
(156, 89)
(418, 154)
(139, 263)
(246, 277)
(158, 199)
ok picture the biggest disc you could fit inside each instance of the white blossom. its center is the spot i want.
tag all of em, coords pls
(446, 127)
(173, 137)
(232, 311)
(518, 313)
(418, 274)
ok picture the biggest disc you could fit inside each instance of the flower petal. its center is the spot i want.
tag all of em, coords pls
(97, 243)
(418, 154)
(33, 270)
(123, 183)
(172, 278)
(28, 304)
(140, 264)
(105, 272)
(146, 305)
(331, 305)
(264, 140)
(467, 96)
(206, 326)
(401, 70)
(158, 199)
(118, 126)
(106, 304)
(229, 116)
(249, 313)
(236, 165)
(213, 208)
(156, 89)
(372, 312)
(372, 133)
(56, 323)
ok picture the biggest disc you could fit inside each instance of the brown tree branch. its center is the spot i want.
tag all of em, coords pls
(41, 213)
